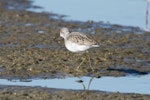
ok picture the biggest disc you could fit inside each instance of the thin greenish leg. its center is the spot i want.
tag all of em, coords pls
(90, 64)
(90, 61)
(80, 64)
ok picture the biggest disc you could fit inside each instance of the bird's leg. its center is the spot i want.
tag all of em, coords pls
(83, 59)
(89, 60)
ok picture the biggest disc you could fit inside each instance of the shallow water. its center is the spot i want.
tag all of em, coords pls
(127, 84)
(123, 12)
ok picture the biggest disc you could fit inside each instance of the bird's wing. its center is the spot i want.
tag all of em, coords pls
(81, 39)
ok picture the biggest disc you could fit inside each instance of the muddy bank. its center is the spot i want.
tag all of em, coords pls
(30, 46)
(37, 93)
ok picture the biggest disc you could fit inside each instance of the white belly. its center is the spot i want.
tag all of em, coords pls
(73, 47)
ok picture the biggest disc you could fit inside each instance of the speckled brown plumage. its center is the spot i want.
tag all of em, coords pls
(81, 39)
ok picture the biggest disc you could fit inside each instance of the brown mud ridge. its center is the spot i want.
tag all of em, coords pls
(30, 46)
(38, 93)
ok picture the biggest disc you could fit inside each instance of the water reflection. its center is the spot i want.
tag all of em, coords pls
(127, 84)
(84, 86)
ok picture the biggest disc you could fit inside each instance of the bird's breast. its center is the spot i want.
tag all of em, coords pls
(74, 47)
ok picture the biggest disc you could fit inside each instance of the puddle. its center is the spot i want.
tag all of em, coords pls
(127, 84)
(41, 46)
(8, 45)
(123, 12)
(40, 31)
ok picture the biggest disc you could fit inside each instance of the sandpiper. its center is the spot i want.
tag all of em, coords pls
(77, 42)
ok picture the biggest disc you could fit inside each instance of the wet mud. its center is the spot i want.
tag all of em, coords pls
(37, 93)
(30, 47)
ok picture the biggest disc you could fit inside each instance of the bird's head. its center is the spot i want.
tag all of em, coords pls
(64, 32)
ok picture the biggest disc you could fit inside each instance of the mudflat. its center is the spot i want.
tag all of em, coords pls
(31, 47)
